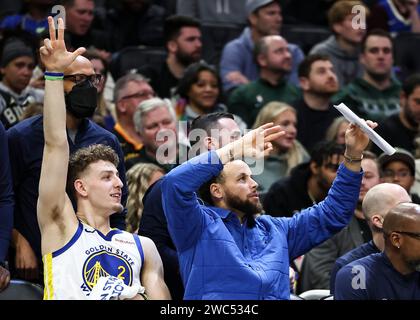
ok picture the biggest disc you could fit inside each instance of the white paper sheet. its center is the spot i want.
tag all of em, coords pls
(376, 138)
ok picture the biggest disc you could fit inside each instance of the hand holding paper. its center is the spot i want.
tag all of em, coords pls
(376, 138)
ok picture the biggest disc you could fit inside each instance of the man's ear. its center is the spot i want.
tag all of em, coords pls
(377, 221)
(216, 191)
(172, 46)
(396, 239)
(304, 83)
(80, 187)
(337, 28)
(262, 60)
(314, 168)
(209, 143)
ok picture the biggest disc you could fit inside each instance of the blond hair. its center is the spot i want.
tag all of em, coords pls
(138, 181)
(332, 131)
(296, 154)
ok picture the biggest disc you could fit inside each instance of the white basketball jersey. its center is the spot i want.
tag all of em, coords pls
(71, 272)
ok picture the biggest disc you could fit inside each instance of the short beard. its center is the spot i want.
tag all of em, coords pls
(409, 116)
(378, 77)
(245, 206)
(185, 59)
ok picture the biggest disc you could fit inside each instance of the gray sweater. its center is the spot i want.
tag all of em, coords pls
(347, 66)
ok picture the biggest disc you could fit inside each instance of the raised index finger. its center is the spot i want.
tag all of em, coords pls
(51, 28)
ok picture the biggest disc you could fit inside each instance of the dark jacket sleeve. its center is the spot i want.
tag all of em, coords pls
(345, 288)
(154, 226)
(6, 196)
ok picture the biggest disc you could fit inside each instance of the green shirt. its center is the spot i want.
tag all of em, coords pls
(369, 102)
(247, 100)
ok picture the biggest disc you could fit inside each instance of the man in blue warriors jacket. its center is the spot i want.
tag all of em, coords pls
(229, 250)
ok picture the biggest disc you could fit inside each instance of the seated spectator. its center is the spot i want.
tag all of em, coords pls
(134, 23)
(183, 44)
(129, 91)
(218, 11)
(237, 64)
(390, 275)
(139, 178)
(401, 129)
(375, 95)
(399, 168)
(343, 47)
(102, 114)
(6, 208)
(318, 263)
(395, 16)
(376, 205)
(275, 62)
(79, 31)
(33, 18)
(307, 184)
(337, 130)
(287, 151)
(16, 66)
(155, 122)
(200, 92)
(315, 111)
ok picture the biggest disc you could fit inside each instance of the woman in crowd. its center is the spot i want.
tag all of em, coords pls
(199, 92)
(139, 178)
(337, 130)
(288, 152)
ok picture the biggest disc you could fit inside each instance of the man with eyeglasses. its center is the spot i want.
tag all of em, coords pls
(16, 67)
(375, 95)
(393, 274)
(130, 90)
(399, 168)
(26, 144)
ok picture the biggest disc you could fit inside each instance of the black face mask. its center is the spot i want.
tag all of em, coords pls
(81, 101)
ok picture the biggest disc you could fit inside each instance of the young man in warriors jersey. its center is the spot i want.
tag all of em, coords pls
(80, 248)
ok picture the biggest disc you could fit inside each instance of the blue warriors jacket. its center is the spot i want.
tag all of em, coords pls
(222, 259)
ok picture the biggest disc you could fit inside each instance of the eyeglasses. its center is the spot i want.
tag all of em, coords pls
(139, 95)
(410, 234)
(95, 79)
(399, 174)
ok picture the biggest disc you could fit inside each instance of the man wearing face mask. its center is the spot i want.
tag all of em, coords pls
(26, 142)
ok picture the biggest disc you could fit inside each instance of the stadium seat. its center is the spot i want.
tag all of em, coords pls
(22, 290)
(215, 37)
(316, 294)
(304, 36)
(132, 58)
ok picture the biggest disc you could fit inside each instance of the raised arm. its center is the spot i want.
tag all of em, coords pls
(52, 201)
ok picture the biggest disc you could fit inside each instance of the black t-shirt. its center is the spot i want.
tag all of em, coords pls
(161, 79)
(313, 124)
(396, 134)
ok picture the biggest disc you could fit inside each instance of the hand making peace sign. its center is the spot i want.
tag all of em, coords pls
(54, 54)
